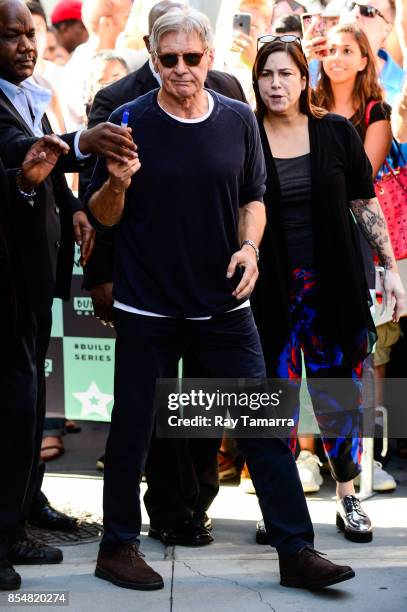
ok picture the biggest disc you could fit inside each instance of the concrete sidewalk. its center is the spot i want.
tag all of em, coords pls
(233, 573)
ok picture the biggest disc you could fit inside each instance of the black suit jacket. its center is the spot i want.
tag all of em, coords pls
(11, 302)
(100, 266)
(42, 234)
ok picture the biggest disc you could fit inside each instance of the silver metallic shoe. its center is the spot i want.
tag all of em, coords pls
(352, 520)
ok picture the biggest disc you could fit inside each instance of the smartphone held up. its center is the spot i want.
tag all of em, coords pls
(317, 25)
(242, 23)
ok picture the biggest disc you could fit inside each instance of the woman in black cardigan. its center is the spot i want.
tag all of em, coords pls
(311, 295)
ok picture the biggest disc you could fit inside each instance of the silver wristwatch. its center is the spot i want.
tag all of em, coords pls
(253, 245)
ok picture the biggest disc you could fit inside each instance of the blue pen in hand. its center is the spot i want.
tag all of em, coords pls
(125, 118)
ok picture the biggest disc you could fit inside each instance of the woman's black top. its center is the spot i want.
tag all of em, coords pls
(379, 112)
(340, 172)
(294, 175)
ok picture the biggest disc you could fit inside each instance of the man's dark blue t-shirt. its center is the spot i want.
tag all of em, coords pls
(179, 228)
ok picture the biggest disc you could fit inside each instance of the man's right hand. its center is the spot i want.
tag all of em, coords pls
(107, 204)
(102, 299)
(120, 173)
(40, 160)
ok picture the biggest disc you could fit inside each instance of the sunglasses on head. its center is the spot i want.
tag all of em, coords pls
(170, 60)
(285, 38)
(366, 10)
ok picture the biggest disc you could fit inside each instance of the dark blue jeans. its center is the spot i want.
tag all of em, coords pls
(227, 346)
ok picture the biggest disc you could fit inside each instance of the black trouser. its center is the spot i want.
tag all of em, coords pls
(182, 474)
(38, 499)
(44, 323)
(22, 384)
(182, 479)
(227, 346)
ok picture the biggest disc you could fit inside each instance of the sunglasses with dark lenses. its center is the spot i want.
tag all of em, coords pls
(366, 10)
(170, 60)
(285, 38)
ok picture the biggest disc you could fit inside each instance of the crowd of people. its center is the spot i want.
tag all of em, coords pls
(220, 186)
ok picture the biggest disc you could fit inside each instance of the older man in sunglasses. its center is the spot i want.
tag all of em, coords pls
(190, 216)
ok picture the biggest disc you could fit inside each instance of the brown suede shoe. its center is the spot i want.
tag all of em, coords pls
(124, 567)
(308, 570)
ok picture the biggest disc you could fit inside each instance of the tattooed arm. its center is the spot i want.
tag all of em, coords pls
(373, 224)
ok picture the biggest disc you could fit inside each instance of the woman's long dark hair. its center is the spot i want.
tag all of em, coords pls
(294, 50)
(366, 85)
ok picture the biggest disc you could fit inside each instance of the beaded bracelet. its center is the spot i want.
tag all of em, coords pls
(27, 196)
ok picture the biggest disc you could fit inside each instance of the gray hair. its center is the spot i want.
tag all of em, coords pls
(109, 55)
(187, 21)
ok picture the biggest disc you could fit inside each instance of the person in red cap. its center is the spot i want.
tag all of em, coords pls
(67, 21)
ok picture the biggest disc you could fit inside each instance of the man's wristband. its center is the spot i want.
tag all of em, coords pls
(253, 245)
(27, 196)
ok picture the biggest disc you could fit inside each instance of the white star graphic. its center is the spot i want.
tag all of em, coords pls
(93, 401)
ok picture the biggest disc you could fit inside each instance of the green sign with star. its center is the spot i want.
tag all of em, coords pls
(80, 361)
(88, 376)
